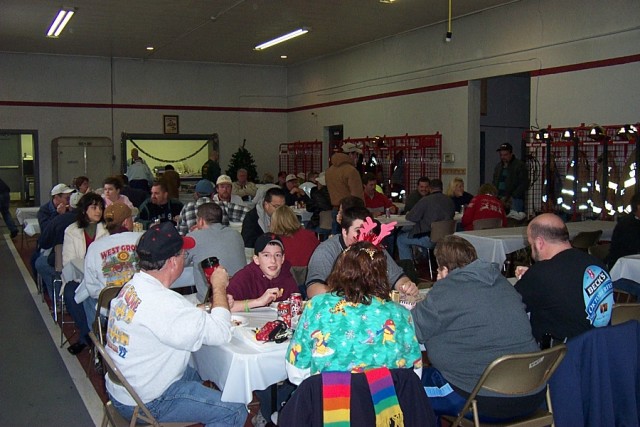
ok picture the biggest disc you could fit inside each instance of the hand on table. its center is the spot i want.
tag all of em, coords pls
(407, 287)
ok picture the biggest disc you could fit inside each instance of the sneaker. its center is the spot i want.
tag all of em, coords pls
(513, 214)
(520, 216)
(258, 420)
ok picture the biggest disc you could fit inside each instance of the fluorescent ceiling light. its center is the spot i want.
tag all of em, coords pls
(63, 17)
(284, 38)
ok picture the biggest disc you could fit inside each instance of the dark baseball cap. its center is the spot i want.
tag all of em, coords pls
(267, 239)
(505, 147)
(162, 241)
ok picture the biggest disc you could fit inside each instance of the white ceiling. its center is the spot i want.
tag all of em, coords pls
(223, 31)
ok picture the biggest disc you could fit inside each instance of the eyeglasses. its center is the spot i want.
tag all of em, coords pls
(275, 206)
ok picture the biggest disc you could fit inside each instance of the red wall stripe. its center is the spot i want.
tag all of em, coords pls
(534, 73)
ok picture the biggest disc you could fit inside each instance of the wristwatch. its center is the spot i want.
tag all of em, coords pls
(207, 307)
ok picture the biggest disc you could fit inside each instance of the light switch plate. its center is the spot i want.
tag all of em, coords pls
(448, 158)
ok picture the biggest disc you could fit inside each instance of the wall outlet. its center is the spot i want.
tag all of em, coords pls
(448, 158)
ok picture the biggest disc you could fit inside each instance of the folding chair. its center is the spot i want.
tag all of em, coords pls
(585, 239)
(58, 299)
(439, 230)
(624, 312)
(515, 375)
(141, 412)
(600, 251)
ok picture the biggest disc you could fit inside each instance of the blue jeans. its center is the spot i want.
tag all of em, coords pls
(188, 400)
(76, 311)
(517, 205)
(89, 306)
(404, 244)
(46, 272)
(5, 199)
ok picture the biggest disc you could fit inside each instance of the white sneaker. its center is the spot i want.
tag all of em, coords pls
(521, 216)
(513, 214)
(258, 420)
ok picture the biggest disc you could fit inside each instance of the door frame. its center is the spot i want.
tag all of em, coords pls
(36, 157)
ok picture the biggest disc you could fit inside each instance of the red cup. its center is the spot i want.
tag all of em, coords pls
(209, 265)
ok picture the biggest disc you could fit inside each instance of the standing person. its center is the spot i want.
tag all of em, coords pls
(424, 188)
(81, 185)
(214, 239)
(89, 226)
(139, 175)
(331, 333)
(144, 345)
(483, 206)
(343, 179)
(5, 200)
(434, 207)
(171, 179)
(567, 291)
(471, 317)
(460, 197)
(242, 187)
(211, 168)
(258, 220)
(135, 157)
(512, 180)
(299, 242)
(111, 192)
(159, 207)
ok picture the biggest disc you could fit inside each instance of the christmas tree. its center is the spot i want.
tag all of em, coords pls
(242, 159)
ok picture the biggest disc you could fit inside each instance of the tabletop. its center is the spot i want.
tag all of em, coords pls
(400, 219)
(240, 367)
(26, 213)
(627, 267)
(494, 244)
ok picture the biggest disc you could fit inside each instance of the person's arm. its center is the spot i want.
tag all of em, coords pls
(468, 215)
(404, 285)
(522, 181)
(144, 216)
(354, 182)
(263, 300)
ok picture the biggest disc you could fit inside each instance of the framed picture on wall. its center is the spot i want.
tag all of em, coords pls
(171, 124)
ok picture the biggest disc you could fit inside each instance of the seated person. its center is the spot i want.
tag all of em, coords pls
(331, 335)
(485, 205)
(460, 197)
(328, 251)
(375, 201)
(319, 201)
(258, 220)
(243, 188)
(293, 193)
(159, 207)
(567, 291)
(299, 242)
(423, 189)
(471, 317)
(152, 331)
(265, 280)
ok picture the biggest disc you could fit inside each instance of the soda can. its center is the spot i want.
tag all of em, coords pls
(284, 309)
(395, 296)
(296, 304)
(287, 320)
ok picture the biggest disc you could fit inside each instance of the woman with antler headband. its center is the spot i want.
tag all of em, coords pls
(356, 224)
(355, 326)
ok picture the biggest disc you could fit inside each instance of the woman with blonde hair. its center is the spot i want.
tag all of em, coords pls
(299, 243)
(458, 195)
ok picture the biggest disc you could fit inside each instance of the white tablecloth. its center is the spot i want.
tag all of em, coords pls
(494, 244)
(31, 226)
(26, 213)
(627, 267)
(238, 368)
(400, 219)
(303, 214)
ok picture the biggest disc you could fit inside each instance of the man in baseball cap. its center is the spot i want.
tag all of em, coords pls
(58, 204)
(152, 331)
(293, 193)
(224, 186)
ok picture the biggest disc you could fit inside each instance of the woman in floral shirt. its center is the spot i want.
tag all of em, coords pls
(355, 326)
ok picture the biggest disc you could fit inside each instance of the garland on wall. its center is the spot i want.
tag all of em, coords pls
(166, 161)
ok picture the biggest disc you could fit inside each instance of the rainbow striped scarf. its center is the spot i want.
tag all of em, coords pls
(336, 398)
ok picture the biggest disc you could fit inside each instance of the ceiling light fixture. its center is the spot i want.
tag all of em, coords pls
(61, 20)
(387, 1)
(149, 48)
(284, 38)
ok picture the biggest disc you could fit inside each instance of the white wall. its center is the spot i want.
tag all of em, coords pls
(63, 80)
(523, 36)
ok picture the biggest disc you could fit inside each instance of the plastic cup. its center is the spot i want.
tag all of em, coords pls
(209, 265)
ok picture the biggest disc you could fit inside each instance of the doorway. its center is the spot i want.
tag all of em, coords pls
(19, 165)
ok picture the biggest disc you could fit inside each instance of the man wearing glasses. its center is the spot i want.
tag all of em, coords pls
(258, 220)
